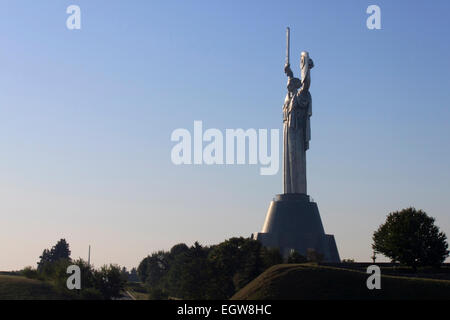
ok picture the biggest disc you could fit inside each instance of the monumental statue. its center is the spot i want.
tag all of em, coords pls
(297, 110)
(293, 220)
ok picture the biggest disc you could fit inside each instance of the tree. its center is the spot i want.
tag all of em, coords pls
(178, 249)
(153, 268)
(109, 281)
(236, 262)
(44, 259)
(411, 237)
(157, 267)
(133, 276)
(87, 274)
(198, 272)
(142, 269)
(271, 257)
(227, 258)
(189, 275)
(58, 252)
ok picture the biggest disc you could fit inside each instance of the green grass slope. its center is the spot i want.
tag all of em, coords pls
(21, 288)
(311, 282)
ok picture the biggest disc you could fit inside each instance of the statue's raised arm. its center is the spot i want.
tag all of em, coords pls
(293, 83)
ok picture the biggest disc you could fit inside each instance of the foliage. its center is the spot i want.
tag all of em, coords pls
(271, 256)
(189, 274)
(133, 275)
(104, 283)
(142, 269)
(411, 237)
(30, 273)
(109, 281)
(198, 272)
(60, 251)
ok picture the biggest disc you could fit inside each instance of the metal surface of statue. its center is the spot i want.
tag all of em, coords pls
(297, 110)
(293, 220)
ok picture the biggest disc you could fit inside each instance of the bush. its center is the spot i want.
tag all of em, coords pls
(30, 273)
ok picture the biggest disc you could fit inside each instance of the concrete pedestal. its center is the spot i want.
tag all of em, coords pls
(293, 222)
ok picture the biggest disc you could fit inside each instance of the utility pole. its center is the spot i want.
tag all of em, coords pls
(89, 256)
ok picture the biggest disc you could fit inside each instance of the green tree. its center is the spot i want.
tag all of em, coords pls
(190, 274)
(109, 281)
(178, 249)
(236, 262)
(142, 269)
(133, 276)
(87, 274)
(226, 259)
(44, 259)
(252, 264)
(157, 268)
(411, 237)
(154, 267)
(271, 257)
(60, 251)
(198, 272)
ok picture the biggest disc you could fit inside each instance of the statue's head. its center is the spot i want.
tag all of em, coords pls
(306, 64)
(305, 61)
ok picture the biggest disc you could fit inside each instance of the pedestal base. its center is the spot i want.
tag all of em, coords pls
(293, 222)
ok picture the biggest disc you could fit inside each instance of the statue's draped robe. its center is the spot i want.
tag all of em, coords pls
(296, 136)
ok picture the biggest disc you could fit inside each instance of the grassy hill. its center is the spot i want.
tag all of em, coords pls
(307, 282)
(13, 287)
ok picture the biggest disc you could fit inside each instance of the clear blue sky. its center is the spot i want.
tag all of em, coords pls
(86, 118)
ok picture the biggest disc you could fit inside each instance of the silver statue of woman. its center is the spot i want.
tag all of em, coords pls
(297, 110)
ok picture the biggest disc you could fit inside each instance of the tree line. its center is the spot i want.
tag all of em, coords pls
(208, 272)
(106, 282)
